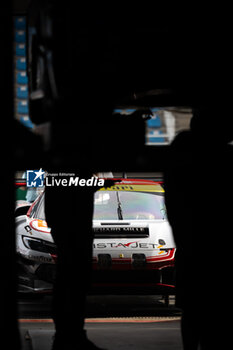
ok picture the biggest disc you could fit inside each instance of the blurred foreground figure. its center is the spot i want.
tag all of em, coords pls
(80, 78)
(69, 214)
(198, 194)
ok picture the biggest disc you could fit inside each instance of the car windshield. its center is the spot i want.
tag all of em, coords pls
(38, 210)
(129, 205)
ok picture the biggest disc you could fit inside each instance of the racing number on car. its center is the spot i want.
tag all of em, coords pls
(27, 228)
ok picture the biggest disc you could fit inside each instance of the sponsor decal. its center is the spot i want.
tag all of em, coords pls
(135, 188)
(120, 229)
(121, 232)
(134, 244)
(40, 258)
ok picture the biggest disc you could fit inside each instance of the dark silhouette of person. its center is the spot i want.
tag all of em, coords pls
(86, 137)
(69, 214)
(198, 192)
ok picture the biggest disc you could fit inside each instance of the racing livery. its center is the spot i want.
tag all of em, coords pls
(133, 247)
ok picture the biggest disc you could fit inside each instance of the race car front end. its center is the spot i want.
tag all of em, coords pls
(127, 260)
(133, 246)
(133, 250)
(36, 256)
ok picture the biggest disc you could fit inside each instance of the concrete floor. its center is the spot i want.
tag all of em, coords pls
(112, 334)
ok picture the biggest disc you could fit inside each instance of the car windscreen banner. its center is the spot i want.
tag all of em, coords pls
(135, 188)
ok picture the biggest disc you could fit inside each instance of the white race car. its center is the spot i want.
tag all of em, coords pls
(133, 248)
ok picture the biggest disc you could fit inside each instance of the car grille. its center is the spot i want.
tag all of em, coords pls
(121, 232)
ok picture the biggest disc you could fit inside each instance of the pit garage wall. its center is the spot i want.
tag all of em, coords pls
(21, 103)
(164, 125)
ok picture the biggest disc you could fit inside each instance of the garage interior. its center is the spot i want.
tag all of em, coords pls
(161, 63)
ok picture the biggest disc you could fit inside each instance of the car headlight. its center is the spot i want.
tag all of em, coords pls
(39, 245)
